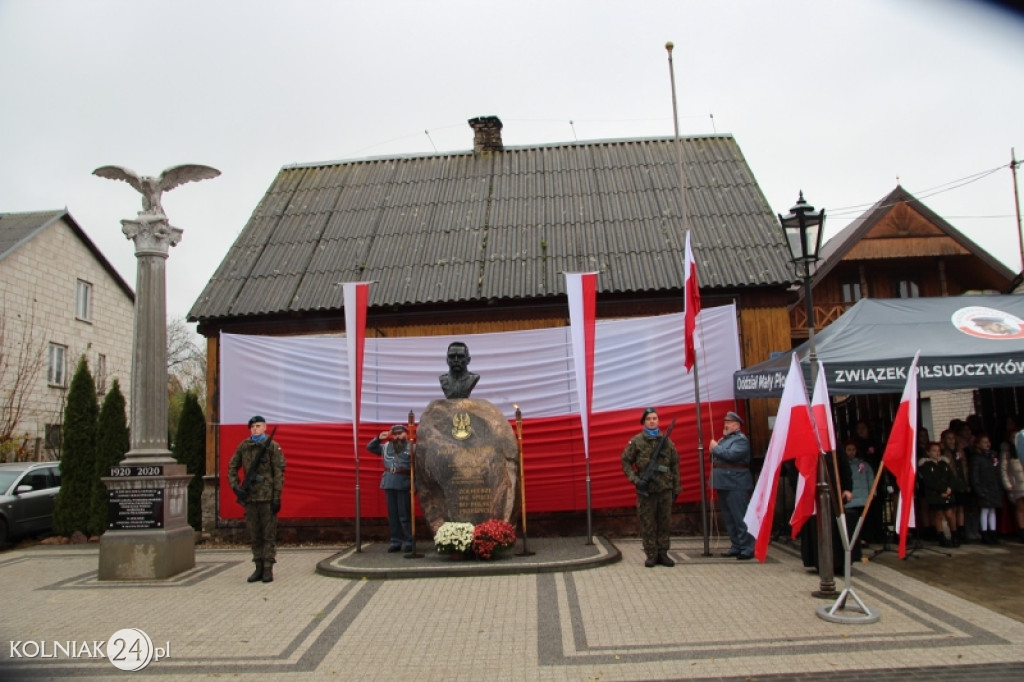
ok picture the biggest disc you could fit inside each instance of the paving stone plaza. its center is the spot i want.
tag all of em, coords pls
(571, 611)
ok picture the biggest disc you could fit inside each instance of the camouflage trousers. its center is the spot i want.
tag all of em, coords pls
(655, 514)
(262, 525)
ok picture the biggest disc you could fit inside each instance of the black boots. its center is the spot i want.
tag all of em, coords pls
(664, 560)
(264, 571)
(257, 573)
(651, 562)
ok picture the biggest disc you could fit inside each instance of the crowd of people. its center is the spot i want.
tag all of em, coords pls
(967, 477)
(964, 479)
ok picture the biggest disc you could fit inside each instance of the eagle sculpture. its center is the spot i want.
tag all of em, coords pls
(151, 188)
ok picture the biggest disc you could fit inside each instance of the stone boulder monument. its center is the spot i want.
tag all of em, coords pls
(467, 455)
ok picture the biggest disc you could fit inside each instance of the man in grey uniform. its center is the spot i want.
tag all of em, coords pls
(731, 479)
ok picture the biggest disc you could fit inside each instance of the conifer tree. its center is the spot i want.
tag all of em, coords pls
(112, 442)
(73, 506)
(190, 450)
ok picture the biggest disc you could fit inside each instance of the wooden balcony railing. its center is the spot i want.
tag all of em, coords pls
(824, 315)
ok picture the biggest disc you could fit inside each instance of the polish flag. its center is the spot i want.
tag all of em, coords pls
(900, 455)
(354, 299)
(582, 291)
(807, 466)
(692, 302)
(792, 438)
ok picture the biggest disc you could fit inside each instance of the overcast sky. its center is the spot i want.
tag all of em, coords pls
(838, 99)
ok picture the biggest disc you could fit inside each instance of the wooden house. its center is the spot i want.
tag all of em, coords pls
(899, 248)
(478, 241)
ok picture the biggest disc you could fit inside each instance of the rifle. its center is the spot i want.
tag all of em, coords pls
(652, 466)
(242, 491)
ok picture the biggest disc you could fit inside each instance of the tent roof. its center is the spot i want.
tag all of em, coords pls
(965, 342)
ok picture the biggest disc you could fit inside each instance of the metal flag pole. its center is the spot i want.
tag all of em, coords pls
(705, 525)
(522, 481)
(413, 554)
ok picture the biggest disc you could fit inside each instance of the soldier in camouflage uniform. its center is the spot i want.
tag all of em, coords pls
(264, 500)
(655, 508)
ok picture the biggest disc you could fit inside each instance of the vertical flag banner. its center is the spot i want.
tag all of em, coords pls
(692, 295)
(582, 291)
(900, 454)
(793, 437)
(355, 295)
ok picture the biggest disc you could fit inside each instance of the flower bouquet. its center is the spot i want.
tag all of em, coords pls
(493, 536)
(453, 536)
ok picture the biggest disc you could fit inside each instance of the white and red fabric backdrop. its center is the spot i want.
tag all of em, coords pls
(301, 385)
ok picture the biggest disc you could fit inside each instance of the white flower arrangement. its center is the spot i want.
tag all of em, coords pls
(454, 536)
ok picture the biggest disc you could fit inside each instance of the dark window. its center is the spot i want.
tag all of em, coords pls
(53, 436)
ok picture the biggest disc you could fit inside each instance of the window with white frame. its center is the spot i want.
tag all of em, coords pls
(56, 369)
(83, 300)
(101, 374)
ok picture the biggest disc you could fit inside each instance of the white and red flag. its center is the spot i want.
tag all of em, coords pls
(581, 288)
(900, 455)
(354, 299)
(792, 437)
(692, 296)
(807, 465)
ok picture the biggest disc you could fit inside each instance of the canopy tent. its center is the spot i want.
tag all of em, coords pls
(965, 342)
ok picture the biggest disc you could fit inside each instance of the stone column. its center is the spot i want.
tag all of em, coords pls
(148, 536)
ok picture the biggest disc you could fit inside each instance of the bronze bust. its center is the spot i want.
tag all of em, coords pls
(458, 382)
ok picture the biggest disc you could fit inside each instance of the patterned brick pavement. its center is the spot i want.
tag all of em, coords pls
(706, 618)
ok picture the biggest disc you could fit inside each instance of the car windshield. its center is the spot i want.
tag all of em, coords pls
(7, 477)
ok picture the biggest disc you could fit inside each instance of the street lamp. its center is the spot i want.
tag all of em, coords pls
(803, 229)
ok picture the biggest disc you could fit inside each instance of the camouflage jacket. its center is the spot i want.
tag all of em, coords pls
(269, 475)
(637, 455)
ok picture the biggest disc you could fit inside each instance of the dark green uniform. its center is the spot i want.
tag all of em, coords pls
(654, 510)
(260, 517)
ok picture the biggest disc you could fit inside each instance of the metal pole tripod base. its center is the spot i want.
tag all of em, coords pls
(858, 613)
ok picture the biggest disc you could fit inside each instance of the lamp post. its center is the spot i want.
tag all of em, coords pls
(803, 229)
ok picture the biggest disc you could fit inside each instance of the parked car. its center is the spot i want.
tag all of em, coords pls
(27, 494)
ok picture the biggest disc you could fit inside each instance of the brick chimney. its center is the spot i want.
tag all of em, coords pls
(486, 134)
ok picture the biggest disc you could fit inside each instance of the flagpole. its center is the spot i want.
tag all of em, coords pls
(696, 372)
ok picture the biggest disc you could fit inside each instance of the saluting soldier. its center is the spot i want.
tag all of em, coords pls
(263, 500)
(393, 449)
(654, 498)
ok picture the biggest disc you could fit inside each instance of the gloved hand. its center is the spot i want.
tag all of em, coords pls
(641, 485)
(239, 493)
(275, 506)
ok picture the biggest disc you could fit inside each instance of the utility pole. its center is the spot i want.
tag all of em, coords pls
(1016, 200)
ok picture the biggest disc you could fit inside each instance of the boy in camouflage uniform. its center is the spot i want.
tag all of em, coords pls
(655, 508)
(264, 499)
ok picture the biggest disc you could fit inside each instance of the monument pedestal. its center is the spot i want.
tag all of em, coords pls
(148, 536)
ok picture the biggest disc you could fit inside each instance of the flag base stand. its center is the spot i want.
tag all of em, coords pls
(525, 551)
(413, 554)
(842, 611)
(851, 614)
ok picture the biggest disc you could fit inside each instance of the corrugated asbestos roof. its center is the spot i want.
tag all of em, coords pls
(502, 225)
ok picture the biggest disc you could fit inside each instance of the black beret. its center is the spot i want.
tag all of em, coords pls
(256, 418)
